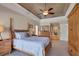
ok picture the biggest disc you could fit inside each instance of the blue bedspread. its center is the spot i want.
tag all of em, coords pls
(33, 45)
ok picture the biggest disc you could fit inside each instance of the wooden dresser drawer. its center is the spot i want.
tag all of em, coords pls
(3, 52)
(5, 47)
(1, 49)
(54, 37)
(1, 43)
(7, 41)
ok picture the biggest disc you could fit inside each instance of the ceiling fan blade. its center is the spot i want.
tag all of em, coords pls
(39, 13)
(50, 9)
(41, 10)
(51, 13)
(45, 16)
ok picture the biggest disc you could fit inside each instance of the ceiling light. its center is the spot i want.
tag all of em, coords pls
(45, 13)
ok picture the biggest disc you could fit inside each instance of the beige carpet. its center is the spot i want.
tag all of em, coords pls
(59, 48)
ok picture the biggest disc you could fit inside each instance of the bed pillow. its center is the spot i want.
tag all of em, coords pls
(21, 35)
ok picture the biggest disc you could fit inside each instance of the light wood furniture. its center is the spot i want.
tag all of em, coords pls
(44, 33)
(54, 37)
(73, 28)
(47, 34)
(5, 46)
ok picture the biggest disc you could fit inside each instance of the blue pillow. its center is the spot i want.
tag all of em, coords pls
(21, 35)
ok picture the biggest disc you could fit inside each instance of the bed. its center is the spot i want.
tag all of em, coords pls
(34, 45)
(37, 46)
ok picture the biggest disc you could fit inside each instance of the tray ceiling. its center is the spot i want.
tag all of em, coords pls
(58, 8)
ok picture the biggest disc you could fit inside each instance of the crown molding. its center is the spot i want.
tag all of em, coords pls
(70, 9)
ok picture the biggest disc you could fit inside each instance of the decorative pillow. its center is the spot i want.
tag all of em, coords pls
(21, 35)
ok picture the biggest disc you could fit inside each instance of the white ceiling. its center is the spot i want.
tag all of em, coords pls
(58, 8)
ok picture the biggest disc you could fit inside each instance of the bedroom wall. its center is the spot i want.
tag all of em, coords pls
(64, 32)
(63, 25)
(61, 19)
(19, 21)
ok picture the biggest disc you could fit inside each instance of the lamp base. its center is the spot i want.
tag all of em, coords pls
(1, 37)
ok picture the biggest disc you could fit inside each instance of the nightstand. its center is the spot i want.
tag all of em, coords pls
(5, 46)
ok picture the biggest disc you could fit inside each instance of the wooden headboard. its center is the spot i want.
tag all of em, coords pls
(18, 30)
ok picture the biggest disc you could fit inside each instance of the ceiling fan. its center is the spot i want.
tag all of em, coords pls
(45, 12)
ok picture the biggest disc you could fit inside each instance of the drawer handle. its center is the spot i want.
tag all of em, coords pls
(71, 29)
(71, 50)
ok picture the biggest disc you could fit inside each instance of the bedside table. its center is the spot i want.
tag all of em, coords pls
(5, 46)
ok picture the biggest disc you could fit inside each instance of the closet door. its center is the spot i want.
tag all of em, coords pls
(77, 42)
(73, 28)
(70, 29)
(73, 32)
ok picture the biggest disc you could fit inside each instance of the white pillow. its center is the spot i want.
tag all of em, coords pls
(6, 35)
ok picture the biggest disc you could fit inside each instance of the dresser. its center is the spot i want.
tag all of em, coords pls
(44, 33)
(5, 46)
(54, 37)
(73, 31)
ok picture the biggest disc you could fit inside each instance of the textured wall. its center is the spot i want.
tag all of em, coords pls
(19, 21)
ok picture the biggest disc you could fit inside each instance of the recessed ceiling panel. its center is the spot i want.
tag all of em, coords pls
(59, 9)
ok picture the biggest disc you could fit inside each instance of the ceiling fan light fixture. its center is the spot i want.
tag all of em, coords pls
(45, 13)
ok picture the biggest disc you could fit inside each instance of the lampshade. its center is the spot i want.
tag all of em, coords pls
(1, 28)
